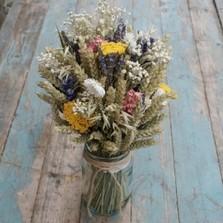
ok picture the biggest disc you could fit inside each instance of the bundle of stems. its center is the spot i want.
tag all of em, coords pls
(108, 190)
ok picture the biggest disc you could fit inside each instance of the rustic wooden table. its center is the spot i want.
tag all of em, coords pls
(177, 181)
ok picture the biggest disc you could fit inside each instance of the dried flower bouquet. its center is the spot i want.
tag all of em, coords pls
(105, 84)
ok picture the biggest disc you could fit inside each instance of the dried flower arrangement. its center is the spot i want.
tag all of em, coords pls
(106, 87)
(105, 83)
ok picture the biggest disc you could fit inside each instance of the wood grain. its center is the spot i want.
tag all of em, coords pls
(9, 25)
(219, 8)
(198, 178)
(59, 190)
(60, 187)
(15, 194)
(209, 42)
(16, 56)
(154, 195)
(29, 135)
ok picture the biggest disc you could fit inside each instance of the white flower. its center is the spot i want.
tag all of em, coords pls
(160, 92)
(129, 39)
(147, 102)
(135, 72)
(47, 60)
(94, 87)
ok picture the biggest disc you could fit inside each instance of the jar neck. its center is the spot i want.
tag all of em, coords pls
(88, 152)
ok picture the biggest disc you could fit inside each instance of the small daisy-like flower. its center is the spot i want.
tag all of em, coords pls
(48, 61)
(76, 120)
(135, 72)
(85, 104)
(131, 101)
(94, 87)
(112, 47)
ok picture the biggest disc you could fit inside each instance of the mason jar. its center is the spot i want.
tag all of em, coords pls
(106, 182)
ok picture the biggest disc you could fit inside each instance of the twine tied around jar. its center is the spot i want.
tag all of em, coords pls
(108, 167)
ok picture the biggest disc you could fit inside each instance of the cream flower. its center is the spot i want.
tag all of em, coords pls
(94, 87)
(165, 89)
(130, 40)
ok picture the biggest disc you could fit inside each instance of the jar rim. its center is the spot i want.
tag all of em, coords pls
(100, 158)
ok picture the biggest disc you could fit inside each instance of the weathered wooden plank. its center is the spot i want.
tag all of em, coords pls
(9, 25)
(14, 66)
(154, 189)
(59, 191)
(16, 59)
(146, 15)
(59, 194)
(209, 41)
(219, 8)
(18, 185)
(28, 125)
(123, 217)
(154, 195)
(30, 130)
(199, 185)
(15, 195)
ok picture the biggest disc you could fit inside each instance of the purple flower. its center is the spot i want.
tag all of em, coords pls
(152, 40)
(110, 62)
(144, 44)
(70, 93)
(102, 63)
(67, 82)
(120, 31)
(68, 86)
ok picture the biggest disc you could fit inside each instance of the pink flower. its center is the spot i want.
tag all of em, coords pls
(131, 101)
(94, 45)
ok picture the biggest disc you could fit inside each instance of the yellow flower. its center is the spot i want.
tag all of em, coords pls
(165, 87)
(168, 90)
(76, 120)
(112, 47)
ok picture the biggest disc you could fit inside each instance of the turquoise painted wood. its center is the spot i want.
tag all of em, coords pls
(154, 196)
(198, 178)
(209, 39)
(177, 181)
(27, 129)
(17, 52)
(28, 137)
(219, 8)
(14, 206)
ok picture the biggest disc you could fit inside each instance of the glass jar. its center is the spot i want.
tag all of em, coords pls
(106, 182)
